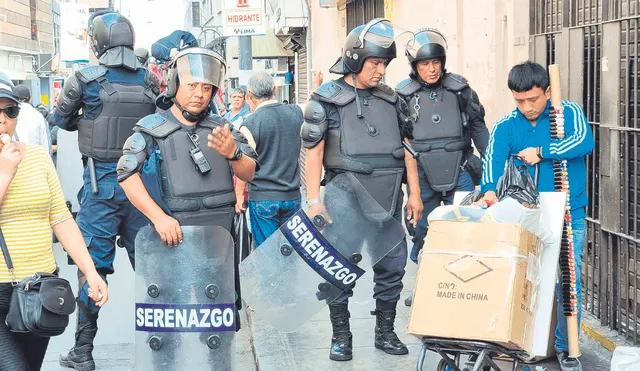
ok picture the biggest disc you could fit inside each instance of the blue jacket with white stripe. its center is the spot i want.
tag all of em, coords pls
(514, 133)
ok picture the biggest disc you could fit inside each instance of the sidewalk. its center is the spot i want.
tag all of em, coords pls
(121, 357)
(308, 349)
(114, 350)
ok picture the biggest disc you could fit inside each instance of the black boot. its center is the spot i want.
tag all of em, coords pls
(386, 338)
(79, 357)
(341, 341)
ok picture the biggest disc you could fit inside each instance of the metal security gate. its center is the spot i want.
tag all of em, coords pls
(596, 44)
(362, 11)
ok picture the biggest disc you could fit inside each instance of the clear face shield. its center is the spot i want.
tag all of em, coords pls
(424, 37)
(383, 33)
(199, 65)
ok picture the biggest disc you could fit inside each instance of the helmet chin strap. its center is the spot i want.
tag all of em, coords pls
(190, 116)
(355, 86)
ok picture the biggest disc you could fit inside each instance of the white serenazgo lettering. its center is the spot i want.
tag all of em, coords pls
(184, 318)
(316, 251)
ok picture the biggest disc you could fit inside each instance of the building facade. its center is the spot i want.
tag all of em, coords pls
(484, 38)
(26, 38)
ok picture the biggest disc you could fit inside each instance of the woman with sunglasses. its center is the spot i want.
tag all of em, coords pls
(31, 204)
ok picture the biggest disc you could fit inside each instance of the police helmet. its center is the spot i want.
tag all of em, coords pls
(375, 39)
(427, 43)
(22, 92)
(107, 30)
(192, 65)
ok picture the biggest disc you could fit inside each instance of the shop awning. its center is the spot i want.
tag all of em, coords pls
(262, 47)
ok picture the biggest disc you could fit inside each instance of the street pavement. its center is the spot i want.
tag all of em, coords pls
(306, 349)
(114, 345)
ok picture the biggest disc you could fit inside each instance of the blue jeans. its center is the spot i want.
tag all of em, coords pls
(562, 344)
(267, 216)
(101, 218)
(431, 200)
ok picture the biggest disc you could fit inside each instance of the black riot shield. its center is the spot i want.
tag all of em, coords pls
(312, 259)
(185, 313)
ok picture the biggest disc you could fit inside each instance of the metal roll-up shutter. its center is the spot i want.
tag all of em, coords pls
(302, 93)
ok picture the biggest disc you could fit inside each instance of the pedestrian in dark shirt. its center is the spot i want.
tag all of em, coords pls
(274, 131)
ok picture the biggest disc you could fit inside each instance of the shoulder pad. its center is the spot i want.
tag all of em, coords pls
(385, 92)
(214, 121)
(157, 126)
(408, 86)
(332, 92)
(454, 82)
(91, 73)
(314, 113)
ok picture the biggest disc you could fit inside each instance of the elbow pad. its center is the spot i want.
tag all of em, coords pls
(70, 98)
(133, 157)
(315, 124)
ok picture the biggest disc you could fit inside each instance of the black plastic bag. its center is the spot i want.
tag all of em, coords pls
(243, 244)
(517, 183)
(242, 237)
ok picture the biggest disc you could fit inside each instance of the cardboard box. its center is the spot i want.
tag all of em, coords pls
(477, 281)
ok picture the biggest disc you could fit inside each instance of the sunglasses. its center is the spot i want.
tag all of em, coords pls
(11, 112)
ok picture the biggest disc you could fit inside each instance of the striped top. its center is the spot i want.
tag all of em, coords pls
(32, 205)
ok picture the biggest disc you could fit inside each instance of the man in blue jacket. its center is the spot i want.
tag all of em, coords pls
(525, 132)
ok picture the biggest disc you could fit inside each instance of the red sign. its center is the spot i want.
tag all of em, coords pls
(243, 3)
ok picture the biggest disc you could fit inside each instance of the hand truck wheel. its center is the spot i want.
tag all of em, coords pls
(443, 366)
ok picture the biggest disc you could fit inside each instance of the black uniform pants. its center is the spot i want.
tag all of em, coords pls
(389, 271)
(18, 351)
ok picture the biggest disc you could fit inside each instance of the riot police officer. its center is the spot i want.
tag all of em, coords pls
(351, 125)
(113, 96)
(168, 170)
(447, 116)
(196, 177)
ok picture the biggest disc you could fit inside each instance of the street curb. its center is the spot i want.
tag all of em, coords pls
(606, 338)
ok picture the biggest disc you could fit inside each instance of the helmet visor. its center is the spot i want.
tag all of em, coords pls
(196, 65)
(382, 33)
(423, 37)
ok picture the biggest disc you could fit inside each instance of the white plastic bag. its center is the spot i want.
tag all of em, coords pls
(505, 211)
(626, 359)
(511, 211)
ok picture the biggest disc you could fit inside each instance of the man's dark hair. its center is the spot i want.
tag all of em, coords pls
(23, 92)
(528, 75)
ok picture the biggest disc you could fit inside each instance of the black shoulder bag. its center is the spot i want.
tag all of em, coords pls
(40, 304)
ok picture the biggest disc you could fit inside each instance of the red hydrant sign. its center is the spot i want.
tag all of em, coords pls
(243, 18)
